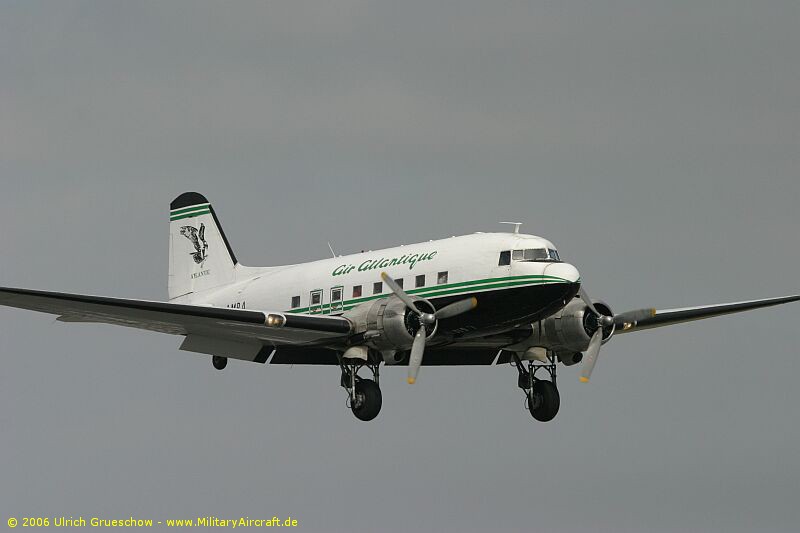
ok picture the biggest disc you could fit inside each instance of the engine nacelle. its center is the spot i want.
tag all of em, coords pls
(389, 324)
(568, 332)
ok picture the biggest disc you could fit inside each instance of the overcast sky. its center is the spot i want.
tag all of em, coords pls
(656, 143)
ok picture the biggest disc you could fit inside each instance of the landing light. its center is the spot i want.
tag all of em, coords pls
(276, 321)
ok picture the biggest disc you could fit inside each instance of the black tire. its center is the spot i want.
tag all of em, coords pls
(219, 362)
(367, 403)
(544, 401)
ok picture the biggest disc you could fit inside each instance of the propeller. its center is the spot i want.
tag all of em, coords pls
(426, 319)
(623, 320)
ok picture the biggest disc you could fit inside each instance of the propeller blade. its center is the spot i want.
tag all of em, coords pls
(456, 308)
(632, 317)
(400, 293)
(415, 359)
(622, 321)
(588, 301)
(603, 320)
(590, 357)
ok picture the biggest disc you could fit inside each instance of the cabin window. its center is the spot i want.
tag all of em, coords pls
(295, 302)
(399, 282)
(336, 299)
(315, 301)
(357, 291)
(441, 278)
(419, 281)
(377, 287)
(505, 258)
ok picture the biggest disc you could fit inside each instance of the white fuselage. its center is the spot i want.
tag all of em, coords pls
(444, 267)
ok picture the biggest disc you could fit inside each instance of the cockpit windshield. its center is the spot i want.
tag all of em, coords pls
(530, 254)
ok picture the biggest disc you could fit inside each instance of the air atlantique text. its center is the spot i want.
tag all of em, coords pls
(371, 264)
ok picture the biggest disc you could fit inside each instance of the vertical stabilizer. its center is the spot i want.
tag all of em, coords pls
(200, 256)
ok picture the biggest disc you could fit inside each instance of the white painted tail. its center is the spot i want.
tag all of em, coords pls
(200, 257)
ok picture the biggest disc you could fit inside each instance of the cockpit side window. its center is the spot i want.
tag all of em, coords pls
(554, 255)
(505, 258)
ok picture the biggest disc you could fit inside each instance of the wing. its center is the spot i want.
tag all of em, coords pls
(667, 317)
(237, 333)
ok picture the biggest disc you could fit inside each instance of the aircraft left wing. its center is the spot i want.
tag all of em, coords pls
(238, 333)
(668, 317)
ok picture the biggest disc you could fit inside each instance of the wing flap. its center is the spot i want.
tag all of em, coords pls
(247, 350)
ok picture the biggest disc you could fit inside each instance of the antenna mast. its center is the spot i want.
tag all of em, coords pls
(516, 226)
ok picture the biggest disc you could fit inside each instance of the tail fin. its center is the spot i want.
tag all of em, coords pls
(200, 256)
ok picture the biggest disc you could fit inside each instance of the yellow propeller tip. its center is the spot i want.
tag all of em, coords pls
(411, 381)
(584, 380)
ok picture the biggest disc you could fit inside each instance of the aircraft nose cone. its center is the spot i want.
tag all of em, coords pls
(563, 271)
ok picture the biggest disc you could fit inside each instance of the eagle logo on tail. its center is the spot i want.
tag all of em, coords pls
(198, 240)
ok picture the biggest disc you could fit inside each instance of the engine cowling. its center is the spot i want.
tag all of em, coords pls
(570, 330)
(390, 325)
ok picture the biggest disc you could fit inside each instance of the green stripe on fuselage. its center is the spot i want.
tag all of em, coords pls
(464, 287)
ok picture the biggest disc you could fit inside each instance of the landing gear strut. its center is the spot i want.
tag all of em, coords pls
(541, 396)
(363, 395)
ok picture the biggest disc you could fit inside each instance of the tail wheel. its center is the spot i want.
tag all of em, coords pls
(544, 401)
(366, 404)
(219, 362)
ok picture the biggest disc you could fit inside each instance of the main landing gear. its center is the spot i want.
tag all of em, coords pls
(541, 396)
(363, 395)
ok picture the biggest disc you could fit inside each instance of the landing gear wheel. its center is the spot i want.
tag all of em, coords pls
(367, 401)
(219, 362)
(543, 400)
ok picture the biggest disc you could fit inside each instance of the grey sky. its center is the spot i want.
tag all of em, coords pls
(655, 142)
